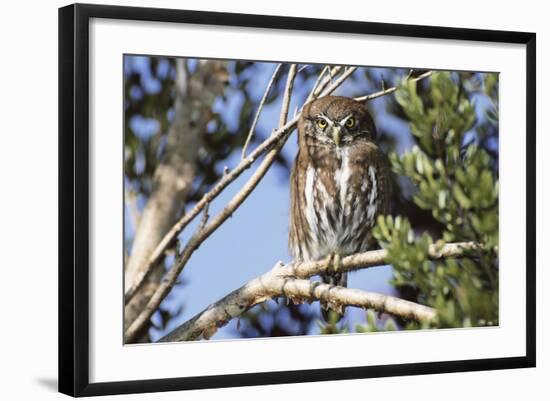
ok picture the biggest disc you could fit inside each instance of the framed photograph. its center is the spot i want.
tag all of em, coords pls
(250, 199)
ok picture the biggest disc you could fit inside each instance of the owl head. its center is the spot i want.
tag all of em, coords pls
(335, 121)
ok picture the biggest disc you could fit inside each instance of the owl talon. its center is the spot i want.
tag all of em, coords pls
(336, 262)
(339, 185)
(328, 261)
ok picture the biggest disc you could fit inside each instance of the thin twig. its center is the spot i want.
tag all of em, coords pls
(195, 242)
(174, 173)
(302, 68)
(392, 89)
(205, 217)
(322, 82)
(316, 84)
(201, 235)
(288, 281)
(260, 108)
(287, 95)
(340, 80)
(229, 176)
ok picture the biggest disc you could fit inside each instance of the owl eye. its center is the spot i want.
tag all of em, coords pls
(321, 123)
(350, 122)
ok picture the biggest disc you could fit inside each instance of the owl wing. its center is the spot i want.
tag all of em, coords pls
(298, 234)
(383, 166)
(385, 189)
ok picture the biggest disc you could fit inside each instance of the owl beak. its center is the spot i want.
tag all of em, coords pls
(336, 132)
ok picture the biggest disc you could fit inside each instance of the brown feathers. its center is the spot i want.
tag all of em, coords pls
(339, 182)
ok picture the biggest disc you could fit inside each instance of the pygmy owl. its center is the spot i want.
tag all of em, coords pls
(339, 185)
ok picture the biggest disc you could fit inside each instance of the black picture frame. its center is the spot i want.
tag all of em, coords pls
(74, 198)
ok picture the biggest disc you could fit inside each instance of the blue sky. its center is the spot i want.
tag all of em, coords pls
(249, 243)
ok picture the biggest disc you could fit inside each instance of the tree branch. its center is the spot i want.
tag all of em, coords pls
(205, 232)
(261, 289)
(393, 88)
(260, 108)
(228, 178)
(289, 281)
(375, 258)
(322, 82)
(348, 71)
(287, 95)
(174, 174)
(130, 198)
(277, 137)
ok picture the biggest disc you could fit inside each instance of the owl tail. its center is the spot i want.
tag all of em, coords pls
(340, 279)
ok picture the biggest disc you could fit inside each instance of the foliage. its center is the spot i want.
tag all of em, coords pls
(447, 189)
(457, 183)
(446, 182)
(372, 324)
(149, 92)
(274, 319)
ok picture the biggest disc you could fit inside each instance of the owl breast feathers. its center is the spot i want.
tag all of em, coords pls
(339, 182)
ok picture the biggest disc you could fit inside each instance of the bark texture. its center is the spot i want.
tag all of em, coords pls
(290, 281)
(194, 96)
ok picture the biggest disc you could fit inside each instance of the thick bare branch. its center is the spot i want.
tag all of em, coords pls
(205, 232)
(279, 135)
(174, 174)
(130, 198)
(200, 236)
(227, 179)
(374, 258)
(289, 281)
(270, 286)
(278, 138)
(171, 277)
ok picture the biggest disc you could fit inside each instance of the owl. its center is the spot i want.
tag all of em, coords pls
(339, 185)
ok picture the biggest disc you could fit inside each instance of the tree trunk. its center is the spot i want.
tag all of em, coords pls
(174, 174)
